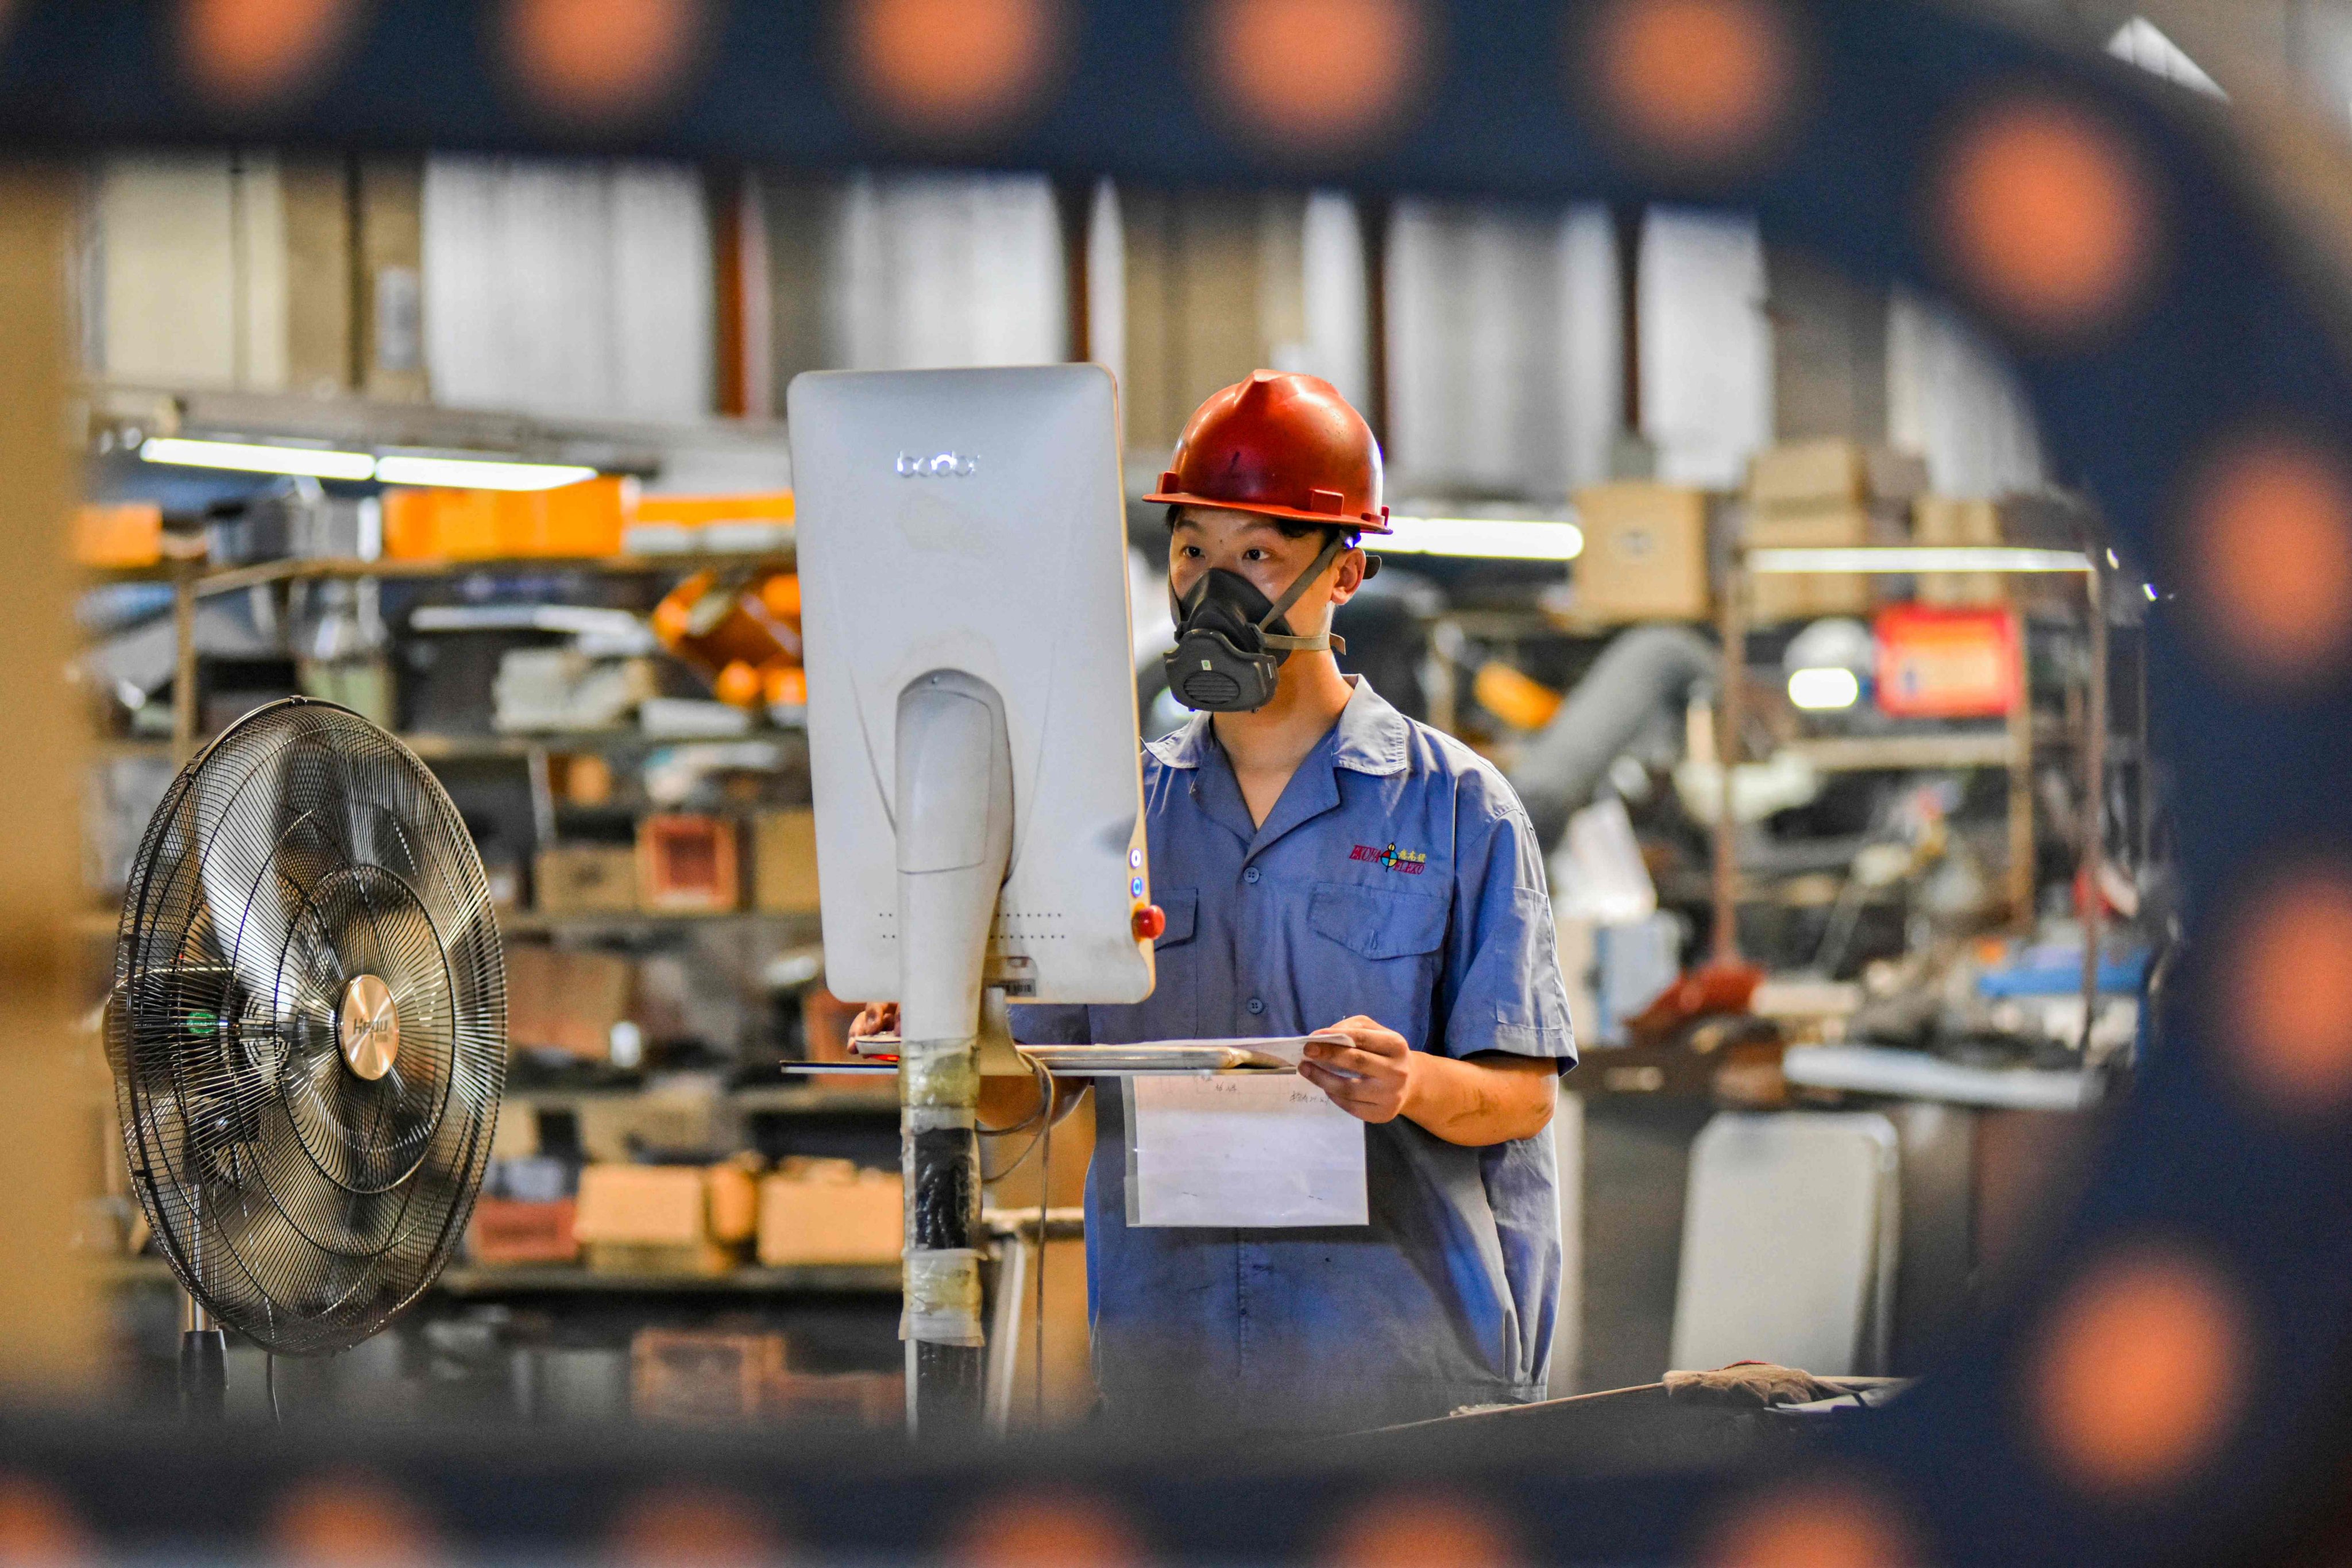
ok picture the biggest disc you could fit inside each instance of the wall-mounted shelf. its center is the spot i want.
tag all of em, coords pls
(534, 922)
(473, 1281)
(209, 580)
(1923, 754)
(437, 746)
(808, 1098)
(486, 1281)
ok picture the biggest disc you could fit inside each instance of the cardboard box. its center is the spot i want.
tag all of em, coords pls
(585, 879)
(1900, 478)
(784, 862)
(703, 1379)
(828, 1211)
(509, 1231)
(667, 1260)
(1646, 553)
(1774, 597)
(618, 1128)
(731, 1200)
(649, 1206)
(649, 1219)
(688, 865)
(566, 1000)
(1949, 521)
(874, 1399)
(1804, 474)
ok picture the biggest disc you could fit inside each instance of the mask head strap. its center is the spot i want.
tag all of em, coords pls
(1320, 640)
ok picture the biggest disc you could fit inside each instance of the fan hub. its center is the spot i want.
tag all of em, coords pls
(370, 1027)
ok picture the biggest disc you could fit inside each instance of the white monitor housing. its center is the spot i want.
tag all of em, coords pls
(964, 600)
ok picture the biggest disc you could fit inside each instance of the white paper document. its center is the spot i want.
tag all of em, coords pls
(1267, 1149)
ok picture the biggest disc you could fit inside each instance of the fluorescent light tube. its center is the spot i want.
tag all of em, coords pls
(460, 473)
(478, 474)
(251, 458)
(1486, 538)
(1908, 558)
(1823, 689)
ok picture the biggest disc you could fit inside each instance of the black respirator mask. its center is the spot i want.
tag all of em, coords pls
(1230, 641)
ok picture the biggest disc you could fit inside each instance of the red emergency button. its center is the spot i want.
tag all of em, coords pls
(1149, 921)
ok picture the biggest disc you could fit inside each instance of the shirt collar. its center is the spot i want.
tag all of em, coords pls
(1369, 737)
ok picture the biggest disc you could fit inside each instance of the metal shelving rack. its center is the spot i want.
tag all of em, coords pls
(2014, 749)
(193, 581)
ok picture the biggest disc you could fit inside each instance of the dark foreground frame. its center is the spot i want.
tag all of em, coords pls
(2176, 1383)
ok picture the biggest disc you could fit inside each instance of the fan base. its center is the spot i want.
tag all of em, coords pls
(204, 1376)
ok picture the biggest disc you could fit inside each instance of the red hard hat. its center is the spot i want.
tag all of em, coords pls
(1283, 443)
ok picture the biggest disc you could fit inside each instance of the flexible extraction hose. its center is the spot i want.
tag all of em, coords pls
(1646, 671)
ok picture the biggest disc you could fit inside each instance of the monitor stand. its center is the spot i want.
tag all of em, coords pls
(953, 803)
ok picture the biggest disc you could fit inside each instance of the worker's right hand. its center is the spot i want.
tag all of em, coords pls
(874, 1018)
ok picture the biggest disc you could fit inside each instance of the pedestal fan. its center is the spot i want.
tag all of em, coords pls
(308, 1034)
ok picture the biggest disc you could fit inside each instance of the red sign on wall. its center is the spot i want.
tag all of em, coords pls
(1937, 663)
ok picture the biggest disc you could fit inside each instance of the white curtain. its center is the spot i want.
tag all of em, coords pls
(568, 288)
(1331, 267)
(1707, 346)
(1502, 348)
(1596, 337)
(1952, 397)
(1107, 282)
(940, 271)
(186, 283)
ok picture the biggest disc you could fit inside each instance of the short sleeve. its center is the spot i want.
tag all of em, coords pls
(1502, 990)
(1050, 1024)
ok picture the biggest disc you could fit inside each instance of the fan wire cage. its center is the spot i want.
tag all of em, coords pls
(307, 1026)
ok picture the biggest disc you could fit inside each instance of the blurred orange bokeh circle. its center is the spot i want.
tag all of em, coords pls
(1313, 75)
(951, 68)
(2047, 216)
(246, 53)
(1693, 81)
(596, 59)
(2140, 1372)
(2268, 545)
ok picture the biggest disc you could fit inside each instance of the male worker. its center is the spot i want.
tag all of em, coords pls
(1326, 864)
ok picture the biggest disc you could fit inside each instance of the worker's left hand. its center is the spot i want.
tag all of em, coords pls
(1377, 1056)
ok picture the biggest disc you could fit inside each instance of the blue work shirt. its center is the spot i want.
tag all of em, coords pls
(1398, 877)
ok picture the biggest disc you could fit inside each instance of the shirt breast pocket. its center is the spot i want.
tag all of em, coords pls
(1172, 1010)
(1397, 941)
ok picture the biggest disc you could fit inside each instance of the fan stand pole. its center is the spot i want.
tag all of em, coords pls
(204, 1364)
(955, 811)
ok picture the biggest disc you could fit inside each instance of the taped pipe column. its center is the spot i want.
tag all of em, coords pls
(953, 797)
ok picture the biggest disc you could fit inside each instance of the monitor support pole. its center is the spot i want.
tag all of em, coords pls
(953, 805)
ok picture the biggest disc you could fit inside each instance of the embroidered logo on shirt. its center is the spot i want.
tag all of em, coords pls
(1410, 862)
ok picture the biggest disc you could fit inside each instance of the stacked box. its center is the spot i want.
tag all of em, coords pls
(829, 1211)
(702, 1379)
(585, 880)
(688, 865)
(566, 1000)
(784, 862)
(1776, 599)
(706, 1378)
(648, 1219)
(1824, 494)
(1947, 521)
(512, 1231)
(1646, 553)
